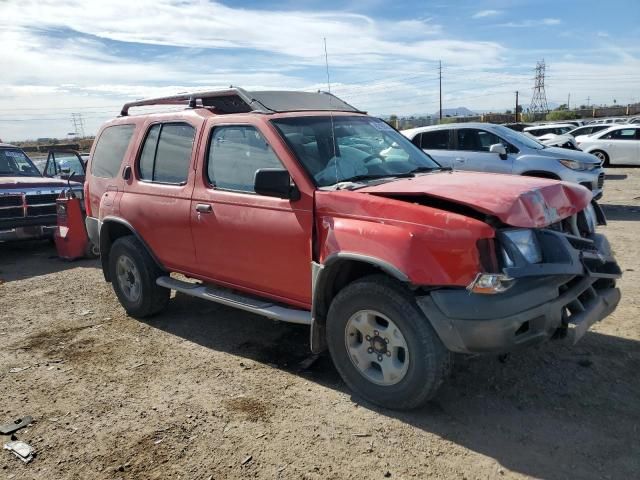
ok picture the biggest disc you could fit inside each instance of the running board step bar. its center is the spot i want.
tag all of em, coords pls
(259, 306)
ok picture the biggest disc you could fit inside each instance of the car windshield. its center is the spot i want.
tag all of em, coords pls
(13, 162)
(345, 148)
(518, 138)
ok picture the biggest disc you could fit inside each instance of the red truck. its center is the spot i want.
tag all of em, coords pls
(301, 208)
(27, 199)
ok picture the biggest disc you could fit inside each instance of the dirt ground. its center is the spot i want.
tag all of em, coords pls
(204, 391)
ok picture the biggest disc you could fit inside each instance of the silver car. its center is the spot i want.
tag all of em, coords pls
(485, 147)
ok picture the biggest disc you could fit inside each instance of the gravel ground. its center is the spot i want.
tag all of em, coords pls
(204, 391)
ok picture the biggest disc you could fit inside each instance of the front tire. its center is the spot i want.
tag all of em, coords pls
(383, 346)
(133, 276)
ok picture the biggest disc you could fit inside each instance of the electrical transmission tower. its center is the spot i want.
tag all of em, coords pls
(78, 124)
(539, 105)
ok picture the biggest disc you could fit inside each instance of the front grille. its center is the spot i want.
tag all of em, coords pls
(10, 201)
(588, 185)
(37, 205)
(601, 180)
(41, 199)
(41, 210)
(14, 212)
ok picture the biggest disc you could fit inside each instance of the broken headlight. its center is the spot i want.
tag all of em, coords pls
(527, 244)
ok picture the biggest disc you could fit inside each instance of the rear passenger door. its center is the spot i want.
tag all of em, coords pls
(472, 151)
(438, 144)
(157, 197)
(244, 240)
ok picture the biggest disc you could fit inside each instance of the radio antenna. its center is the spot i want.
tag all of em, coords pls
(326, 62)
(333, 134)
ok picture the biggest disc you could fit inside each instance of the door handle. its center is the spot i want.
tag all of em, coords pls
(460, 159)
(204, 208)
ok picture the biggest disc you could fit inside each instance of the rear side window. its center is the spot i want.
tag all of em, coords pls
(436, 140)
(235, 153)
(166, 153)
(110, 150)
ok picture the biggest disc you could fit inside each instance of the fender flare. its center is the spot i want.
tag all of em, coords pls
(105, 243)
(323, 275)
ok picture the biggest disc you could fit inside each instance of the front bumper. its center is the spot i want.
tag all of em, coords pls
(27, 233)
(560, 298)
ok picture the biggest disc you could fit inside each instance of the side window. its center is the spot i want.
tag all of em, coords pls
(622, 134)
(435, 140)
(235, 153)
(166, 153)
(416, 140)
(476, 140)
(110, 150)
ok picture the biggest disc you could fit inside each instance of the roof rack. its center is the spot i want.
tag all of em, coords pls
(237, 100)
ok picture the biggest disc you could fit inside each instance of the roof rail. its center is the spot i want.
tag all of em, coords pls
(237, 100)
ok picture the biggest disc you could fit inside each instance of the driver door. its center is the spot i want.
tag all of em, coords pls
(65, 164)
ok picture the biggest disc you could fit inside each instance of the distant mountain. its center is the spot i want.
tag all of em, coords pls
(455, 112)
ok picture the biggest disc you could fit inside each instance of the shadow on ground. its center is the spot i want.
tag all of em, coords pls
(21, 260)
(551, 412)
(621, 212)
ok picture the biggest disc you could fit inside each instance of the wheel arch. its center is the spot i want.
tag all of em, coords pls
(111, 229)
(339, 270)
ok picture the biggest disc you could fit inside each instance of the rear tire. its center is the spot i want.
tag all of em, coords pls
(602, 156)
(133, 276)
(383, 346)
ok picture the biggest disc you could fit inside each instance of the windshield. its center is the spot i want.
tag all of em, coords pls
(518, 138)
(344, 148)
(13, 162)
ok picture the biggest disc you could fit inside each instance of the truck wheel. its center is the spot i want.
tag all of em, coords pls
(133, 275)
(383, 346)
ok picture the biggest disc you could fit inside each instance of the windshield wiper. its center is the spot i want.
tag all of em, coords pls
(427, 169)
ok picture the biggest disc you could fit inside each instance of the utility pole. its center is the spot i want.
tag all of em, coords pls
(516, 106)
(588, 101)
(539, 106)
(569, 102)
(440, 77)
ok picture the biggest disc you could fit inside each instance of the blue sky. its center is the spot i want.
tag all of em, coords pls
(91, 56)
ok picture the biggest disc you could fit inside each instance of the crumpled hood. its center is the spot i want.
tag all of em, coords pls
(515, 200)
(18, 183)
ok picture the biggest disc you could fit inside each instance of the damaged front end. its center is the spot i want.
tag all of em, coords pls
(539, 283)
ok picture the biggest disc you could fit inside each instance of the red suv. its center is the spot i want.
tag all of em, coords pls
(298, 207)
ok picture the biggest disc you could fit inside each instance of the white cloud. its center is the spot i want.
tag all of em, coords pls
(486, 13)
(545, 22)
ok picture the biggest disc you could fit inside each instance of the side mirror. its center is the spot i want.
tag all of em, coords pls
(499, 149)
(275, 182)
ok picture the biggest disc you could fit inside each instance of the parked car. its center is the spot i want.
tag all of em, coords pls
(553, 140)
(283, 204)
(575, 123)
(587, 130)
(27, 199)
(518, 127)
(618, 145)
(556, 129)
(65, 164)
(485, 147)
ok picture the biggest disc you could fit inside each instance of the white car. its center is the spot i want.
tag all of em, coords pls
(553, 140)
(556, 128)
(618, 145)
(588, 129)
